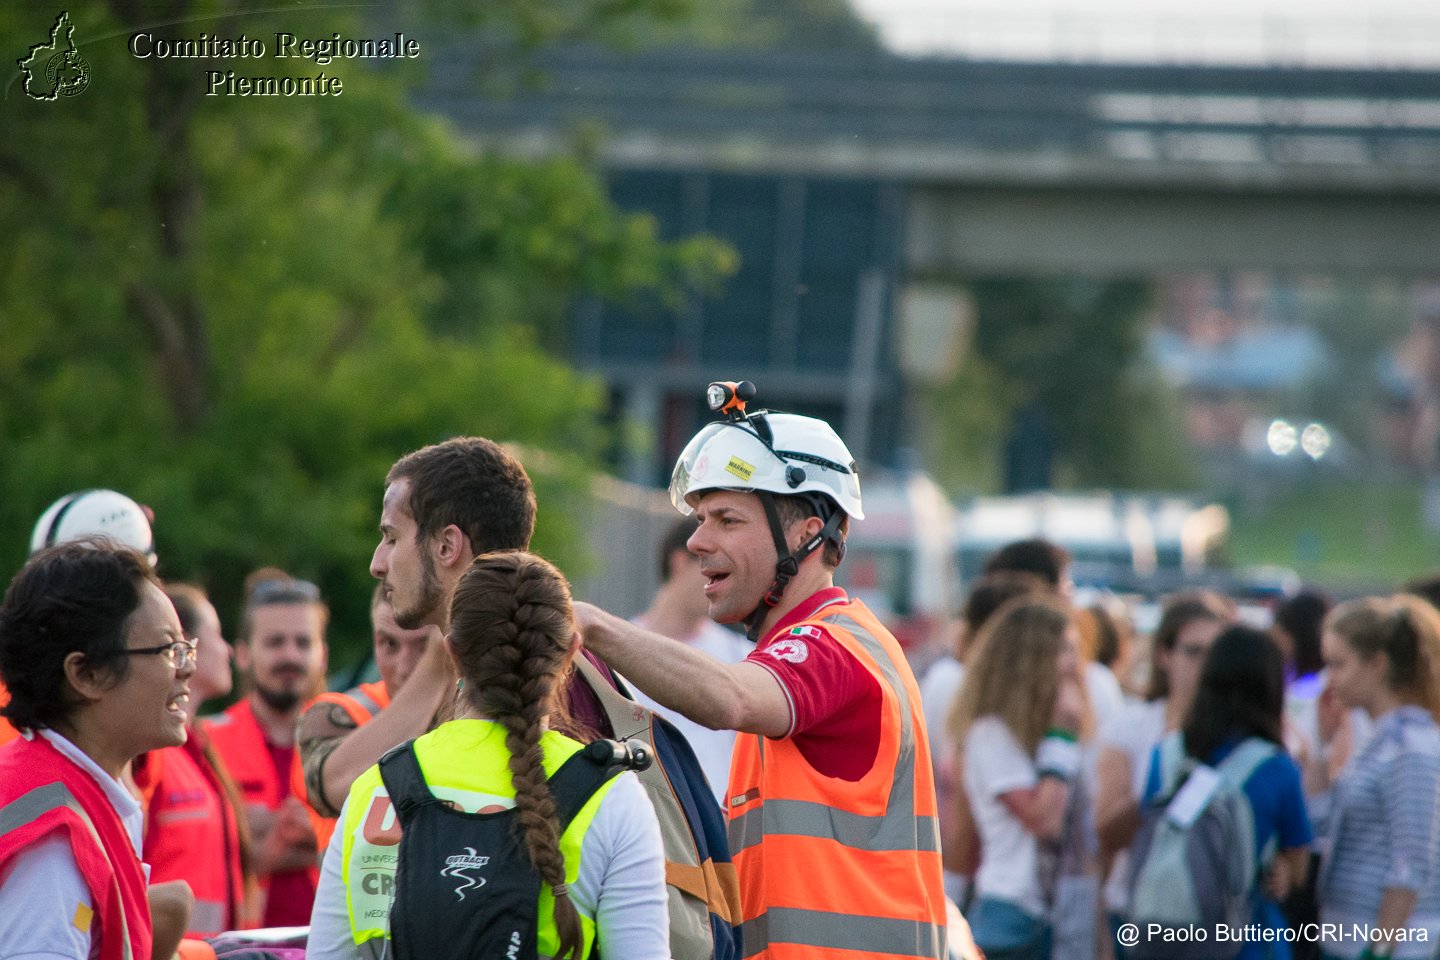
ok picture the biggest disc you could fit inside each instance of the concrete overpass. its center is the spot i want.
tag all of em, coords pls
(862, 192)
(1024, 168)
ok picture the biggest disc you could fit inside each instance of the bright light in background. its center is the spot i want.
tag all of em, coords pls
(1281, 438)
(1315, 440)
(1378, 33)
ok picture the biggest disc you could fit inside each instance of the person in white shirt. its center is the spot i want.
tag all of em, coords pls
(1020, 714)
(681, 611)
(939, 692)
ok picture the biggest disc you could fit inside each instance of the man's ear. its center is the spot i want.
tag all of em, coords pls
(88, 682)
(242, 657)
(452, 547)
(807, 530)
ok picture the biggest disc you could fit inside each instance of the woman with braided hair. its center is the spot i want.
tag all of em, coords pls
(496, 835)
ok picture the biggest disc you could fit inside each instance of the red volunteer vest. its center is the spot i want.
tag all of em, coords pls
(42, 793)
(191, 833)
(832, 869)
(240, 741)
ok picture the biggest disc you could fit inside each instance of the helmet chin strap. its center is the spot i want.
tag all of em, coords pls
(787, 564)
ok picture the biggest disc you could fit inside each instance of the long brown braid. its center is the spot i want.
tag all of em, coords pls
(511, 625)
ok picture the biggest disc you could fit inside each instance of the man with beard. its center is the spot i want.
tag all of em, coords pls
(282, 655)
(471, 497)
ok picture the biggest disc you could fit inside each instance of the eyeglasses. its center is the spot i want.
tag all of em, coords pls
(172, 652)
(283, 591)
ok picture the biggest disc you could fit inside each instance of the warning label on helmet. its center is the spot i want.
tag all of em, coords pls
(740, 469)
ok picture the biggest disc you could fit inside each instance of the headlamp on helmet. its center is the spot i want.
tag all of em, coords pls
(753, 452)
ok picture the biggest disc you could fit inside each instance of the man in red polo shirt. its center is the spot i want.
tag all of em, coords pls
(831, 797)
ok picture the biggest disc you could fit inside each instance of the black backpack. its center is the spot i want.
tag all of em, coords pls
(464, 886)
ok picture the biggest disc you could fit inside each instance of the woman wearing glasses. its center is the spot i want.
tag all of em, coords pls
(98, 671)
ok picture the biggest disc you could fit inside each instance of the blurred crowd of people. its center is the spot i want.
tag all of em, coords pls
(1088, 775)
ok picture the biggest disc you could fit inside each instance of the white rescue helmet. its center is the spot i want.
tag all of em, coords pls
(806, 456)
(95, 513)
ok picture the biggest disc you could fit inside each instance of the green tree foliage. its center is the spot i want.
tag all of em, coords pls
(241, 311)
(1071, 349)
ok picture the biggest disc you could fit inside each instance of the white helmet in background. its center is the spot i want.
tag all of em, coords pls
(95, 513)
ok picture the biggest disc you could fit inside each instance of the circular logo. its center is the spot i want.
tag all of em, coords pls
(69, 73)
(789, 649)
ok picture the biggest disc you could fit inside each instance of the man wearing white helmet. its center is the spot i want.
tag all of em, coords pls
(831, 799)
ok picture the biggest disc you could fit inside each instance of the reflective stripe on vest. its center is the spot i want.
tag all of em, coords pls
(460, 757)
(362, 697)
(872, 936)
(209, 915)
(43, 799)
(192, 833)
(875, 856)
(892, 830)
(360, 704)
(47, 798)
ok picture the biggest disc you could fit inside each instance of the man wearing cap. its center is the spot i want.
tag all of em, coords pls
(831, 797)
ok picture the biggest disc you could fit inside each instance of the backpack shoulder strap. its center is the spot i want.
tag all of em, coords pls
(400, 772)
(1245, 759)
(575, 783)
(627, 718)
(1175, 765)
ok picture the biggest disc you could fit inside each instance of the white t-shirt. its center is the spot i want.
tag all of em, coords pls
(712, 747)
(45, 904)
(938, 689)
(1134, 731)
(995, 763)
(1103, 690)
(621, 883)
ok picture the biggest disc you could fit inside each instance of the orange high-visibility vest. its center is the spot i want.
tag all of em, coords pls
(361, 705)
(832, 869)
